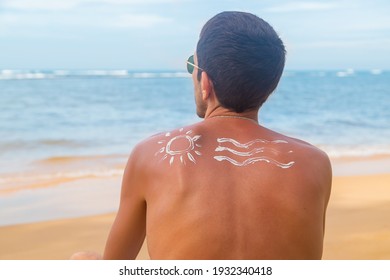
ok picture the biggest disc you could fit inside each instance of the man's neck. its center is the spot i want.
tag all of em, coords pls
(225, 113)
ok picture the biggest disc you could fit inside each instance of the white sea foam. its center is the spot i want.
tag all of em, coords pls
(346, 73)
(6, 72)
(61, 72)
(24, 75)
(119, 73)
(144, 75)
(96, 73)
(19, 178)
(18, 74)
(356, 151)
(175, 75)
(376, 71)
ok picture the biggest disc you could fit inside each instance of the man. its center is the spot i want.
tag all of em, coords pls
(226, 187)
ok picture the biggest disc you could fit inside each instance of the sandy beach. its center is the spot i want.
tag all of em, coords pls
(357, 226)
(358, 219)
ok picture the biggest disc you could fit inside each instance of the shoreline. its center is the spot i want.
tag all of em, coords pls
(357, 224)
(355, 166)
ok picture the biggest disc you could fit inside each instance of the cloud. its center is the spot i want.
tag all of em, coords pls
(301, 7)
(40, 4)
(131, 2)
(9, 19)
(82, 13)
(19, 23)
(138, 20)
(58, 5)
(12, 22)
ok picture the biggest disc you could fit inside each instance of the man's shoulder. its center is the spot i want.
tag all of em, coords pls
(313, 163)
(305, 152)
(303, 147)
(310, 151)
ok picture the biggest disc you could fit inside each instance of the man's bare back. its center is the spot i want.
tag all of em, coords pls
(227, 188)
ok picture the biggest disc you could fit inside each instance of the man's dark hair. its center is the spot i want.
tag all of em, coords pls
(244, 58)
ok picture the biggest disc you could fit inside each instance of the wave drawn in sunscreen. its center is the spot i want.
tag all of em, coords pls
(248, 154)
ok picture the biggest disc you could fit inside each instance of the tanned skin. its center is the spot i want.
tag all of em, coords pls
(196, 207)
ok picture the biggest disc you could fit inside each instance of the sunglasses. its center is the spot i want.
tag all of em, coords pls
(191, 65)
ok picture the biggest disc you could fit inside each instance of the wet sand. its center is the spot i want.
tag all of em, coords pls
(357, 226)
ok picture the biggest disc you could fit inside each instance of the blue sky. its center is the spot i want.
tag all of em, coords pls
(161, 34)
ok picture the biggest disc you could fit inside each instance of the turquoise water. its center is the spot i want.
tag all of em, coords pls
(345, 113)
(65, 135)
(46, 114)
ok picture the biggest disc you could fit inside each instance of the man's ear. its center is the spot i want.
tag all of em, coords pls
(206, 86)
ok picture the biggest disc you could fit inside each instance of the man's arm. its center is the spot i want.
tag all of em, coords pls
(129, 228)
(327, 185)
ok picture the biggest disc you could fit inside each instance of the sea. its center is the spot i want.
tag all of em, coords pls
(60, 126)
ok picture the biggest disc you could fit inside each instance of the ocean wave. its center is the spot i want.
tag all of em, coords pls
(17, 145)
(71, 174)
(347, 73)
(63, 74)
(376, 71)
(7, 74)
(68, 159)
(356, 151)
(18, 182)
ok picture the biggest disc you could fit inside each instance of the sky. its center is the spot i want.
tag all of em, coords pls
(161, 34)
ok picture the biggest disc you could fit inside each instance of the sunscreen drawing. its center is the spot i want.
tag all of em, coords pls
(182, 147)
(249, 156)
(253, 160)
(250, 143)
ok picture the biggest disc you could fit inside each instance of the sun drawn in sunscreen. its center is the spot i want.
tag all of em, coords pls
(180, 147)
